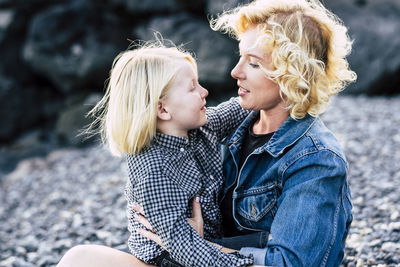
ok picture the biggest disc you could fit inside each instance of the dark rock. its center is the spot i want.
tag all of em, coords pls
(157, 6)
(27, 4)
(25, 102)
(215, 7)
(14, 104)
(147, 6)
(22, 107)
(6, 18)
(213, 50)
(73, 120)
(375, 57)
(74, 45)
(52, 49)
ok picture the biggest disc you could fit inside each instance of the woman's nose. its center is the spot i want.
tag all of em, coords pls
(236, 72)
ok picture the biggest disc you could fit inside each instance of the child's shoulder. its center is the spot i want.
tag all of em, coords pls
(152, 160)
(146, 158)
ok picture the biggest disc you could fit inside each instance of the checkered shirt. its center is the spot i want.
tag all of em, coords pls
(164, 179)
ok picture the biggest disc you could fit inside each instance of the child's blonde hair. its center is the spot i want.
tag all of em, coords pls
(308, 46)
(127, 114)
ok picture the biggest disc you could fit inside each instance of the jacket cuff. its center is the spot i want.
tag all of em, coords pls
(259, 254)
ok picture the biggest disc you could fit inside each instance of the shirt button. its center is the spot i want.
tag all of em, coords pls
(182, 149)
(211, 177)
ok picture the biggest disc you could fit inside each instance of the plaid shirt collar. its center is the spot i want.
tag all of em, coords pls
(174, 143)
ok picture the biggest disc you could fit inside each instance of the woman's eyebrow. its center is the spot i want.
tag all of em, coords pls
(250, 54)
(253, 55)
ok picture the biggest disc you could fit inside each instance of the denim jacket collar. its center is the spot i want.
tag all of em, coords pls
(288, 133)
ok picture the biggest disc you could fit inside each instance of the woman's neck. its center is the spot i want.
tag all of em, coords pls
(269, 121)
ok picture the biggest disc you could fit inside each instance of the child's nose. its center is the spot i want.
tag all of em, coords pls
(204, 93)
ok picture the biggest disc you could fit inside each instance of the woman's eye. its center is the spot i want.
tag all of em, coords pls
(254, 65)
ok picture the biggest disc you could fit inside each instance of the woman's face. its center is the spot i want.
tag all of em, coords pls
(256, 91)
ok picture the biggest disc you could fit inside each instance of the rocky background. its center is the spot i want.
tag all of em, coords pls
(75, 196)
(56, 54)
(55, 57)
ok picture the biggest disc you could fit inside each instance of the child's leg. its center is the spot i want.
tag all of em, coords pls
(95, 255)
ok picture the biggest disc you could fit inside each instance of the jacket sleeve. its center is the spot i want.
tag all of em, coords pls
(225, 117)
(310, 226)
(165, 206)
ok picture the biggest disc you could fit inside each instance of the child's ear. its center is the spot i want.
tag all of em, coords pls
(162, 112)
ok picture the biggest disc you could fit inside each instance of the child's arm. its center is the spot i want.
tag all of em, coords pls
(225, 117)
(140, 247)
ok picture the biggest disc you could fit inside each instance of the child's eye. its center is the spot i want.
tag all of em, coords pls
(193, 86)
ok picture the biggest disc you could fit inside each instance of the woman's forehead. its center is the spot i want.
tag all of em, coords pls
(248, 44)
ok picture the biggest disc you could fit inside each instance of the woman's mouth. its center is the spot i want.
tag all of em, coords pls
(242, 91)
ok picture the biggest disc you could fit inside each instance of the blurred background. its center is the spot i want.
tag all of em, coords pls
(56, 54)
(55, 58)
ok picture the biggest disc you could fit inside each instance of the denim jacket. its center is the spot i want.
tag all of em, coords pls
(295, 187)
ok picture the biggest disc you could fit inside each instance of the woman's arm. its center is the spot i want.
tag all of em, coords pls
(196, 221)
(165, 205)
(140, 247)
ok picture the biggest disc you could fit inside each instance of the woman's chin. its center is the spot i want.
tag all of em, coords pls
(244, 104)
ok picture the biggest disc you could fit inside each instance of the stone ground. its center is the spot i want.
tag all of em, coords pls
(75, 196)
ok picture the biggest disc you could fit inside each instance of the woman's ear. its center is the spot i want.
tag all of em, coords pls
(162, 112)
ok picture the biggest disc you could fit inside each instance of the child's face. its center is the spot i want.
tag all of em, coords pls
(186, 100)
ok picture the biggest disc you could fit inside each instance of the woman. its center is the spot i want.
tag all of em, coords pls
(285, 171)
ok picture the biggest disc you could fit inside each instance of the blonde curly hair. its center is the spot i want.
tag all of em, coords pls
(308, 46)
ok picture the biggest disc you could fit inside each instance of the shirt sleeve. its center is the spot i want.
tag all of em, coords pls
(225, 117)
(310, 225)
(141, 247)
(165, 205)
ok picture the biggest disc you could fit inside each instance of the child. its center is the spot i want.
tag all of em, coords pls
(154, 112)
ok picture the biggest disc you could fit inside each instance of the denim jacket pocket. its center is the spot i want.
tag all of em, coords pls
(256, 208)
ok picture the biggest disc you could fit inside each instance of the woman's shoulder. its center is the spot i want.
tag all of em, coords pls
(318, 147)
(316, 142)
(323, 139)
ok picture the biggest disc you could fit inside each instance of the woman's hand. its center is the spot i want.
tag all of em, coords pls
(196, 221)
(140, 217)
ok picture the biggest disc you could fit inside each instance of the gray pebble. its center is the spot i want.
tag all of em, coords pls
(75, 196)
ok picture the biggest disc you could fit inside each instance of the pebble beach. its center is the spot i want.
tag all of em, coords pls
(75, 196)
